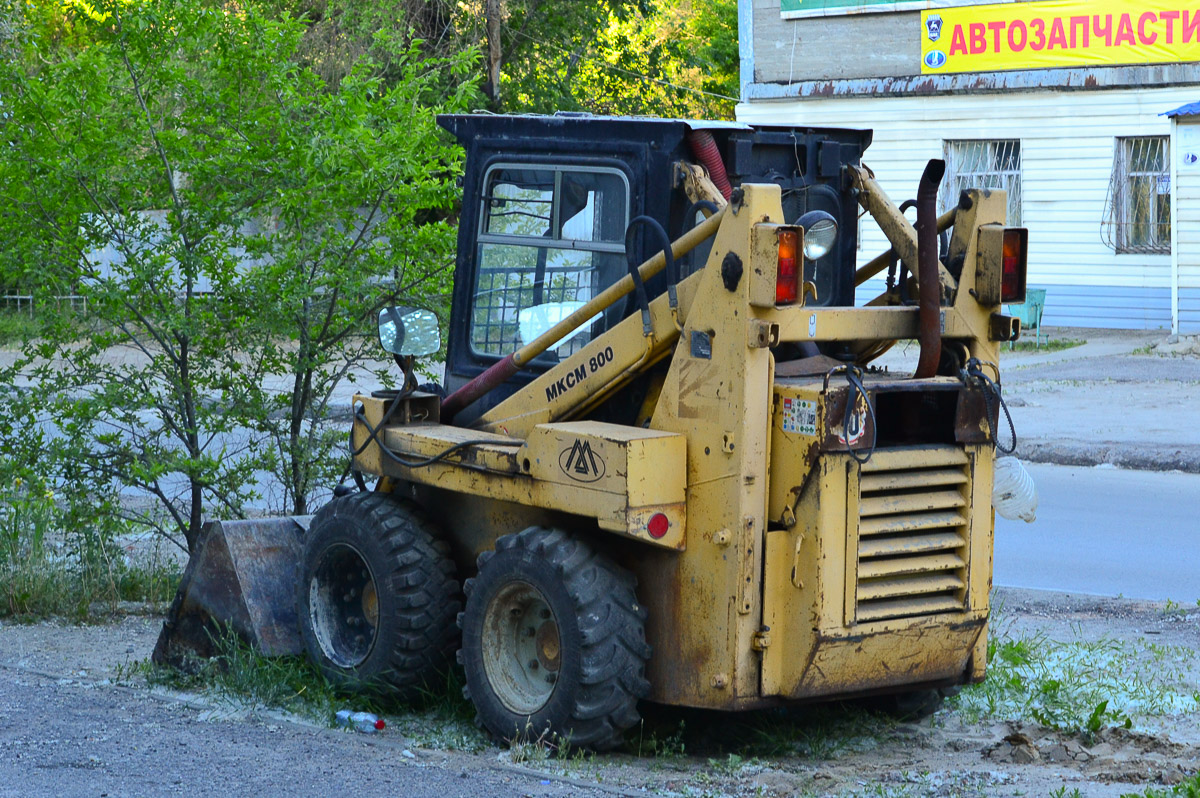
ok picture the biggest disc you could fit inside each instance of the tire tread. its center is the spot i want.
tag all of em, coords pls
(611, 624)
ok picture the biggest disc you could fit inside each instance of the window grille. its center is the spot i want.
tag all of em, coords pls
(1137, 211)
(550, 239)
(983, 164)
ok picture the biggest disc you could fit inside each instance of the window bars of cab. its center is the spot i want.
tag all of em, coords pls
(975, 163)
(1137, 210)
(550, 236)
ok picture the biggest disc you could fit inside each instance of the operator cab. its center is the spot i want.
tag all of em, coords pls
(547, 201)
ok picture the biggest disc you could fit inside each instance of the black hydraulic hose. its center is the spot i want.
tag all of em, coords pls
(689, 216)
(854, 375)
(664, 242)
(973, 372)
(639, 285)
(373, 437)
(903, 280)
(689, 221)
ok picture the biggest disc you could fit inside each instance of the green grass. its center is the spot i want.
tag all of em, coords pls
(49, 569)
(442, 718)
(1061, 792)
(1051, 345)
(1185, 789)
(818, 732)
(1080, 686)
(16, 327)
(241, 675)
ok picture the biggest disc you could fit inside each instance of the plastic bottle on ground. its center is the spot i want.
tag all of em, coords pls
(364, 722)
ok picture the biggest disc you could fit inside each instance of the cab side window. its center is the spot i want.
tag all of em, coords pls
(550, 239)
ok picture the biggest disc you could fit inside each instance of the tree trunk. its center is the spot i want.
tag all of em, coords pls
(301, 402)
(491, 86)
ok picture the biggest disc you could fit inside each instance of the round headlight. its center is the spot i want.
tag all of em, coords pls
(820, 233)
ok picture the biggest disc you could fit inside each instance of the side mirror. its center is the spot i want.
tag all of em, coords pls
(405, 331)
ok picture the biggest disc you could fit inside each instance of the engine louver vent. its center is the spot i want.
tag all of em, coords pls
(912, 534)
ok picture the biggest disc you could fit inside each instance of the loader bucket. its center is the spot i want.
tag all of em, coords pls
(242, 576)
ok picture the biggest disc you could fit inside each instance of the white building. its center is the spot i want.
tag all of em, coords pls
(1076, 130)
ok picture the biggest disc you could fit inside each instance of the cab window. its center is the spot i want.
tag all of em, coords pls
(550, 239)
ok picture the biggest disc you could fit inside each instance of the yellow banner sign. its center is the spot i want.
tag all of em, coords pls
(1058, 33)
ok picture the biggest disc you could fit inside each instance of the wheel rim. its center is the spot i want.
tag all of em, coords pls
(522, 652)
(343, 606)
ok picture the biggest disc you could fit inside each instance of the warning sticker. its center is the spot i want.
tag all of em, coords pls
(799, 416)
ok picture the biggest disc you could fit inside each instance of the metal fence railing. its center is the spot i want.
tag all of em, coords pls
(27, 303)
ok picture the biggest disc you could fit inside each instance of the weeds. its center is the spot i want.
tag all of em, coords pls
(1186, 789)
(817, 732)
(1061, 792)
(16, 326)
(730, 765)
(1173, 609)
(669, 746)
(1079, 687)
(240, 674)
(1051, 345)
(46, 570)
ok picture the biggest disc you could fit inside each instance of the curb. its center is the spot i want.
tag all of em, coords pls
(1139, 457)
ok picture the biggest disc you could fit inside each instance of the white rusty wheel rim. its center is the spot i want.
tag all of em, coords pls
(521, 648)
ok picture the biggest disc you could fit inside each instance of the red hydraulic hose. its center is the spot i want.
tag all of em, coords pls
(484, 383)
(704, 147)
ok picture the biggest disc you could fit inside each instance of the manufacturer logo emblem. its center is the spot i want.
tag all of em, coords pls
(935, 59)
(933, 27)
(580, 463)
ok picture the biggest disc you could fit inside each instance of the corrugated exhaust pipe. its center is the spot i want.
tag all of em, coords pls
(704, 147)
(930, 289)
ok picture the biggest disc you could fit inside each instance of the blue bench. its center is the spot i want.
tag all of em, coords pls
(1030, 315)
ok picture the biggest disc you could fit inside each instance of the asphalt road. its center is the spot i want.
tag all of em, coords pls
(60, 737)
(1106, 531)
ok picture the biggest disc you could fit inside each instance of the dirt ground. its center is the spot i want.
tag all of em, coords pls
(1149, 650)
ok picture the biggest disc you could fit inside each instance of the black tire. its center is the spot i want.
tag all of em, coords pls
(371, 544)
(588, 648)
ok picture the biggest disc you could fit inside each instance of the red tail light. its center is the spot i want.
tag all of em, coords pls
(1012, 280)
(658, 526)
(787, 280)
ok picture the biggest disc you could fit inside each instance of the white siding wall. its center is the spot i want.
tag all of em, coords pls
(1067, 141)
(1187, 232)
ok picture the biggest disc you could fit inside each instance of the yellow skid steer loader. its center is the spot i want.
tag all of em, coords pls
(661, 466)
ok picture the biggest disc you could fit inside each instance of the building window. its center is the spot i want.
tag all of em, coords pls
(984, 164)
(1137, 213)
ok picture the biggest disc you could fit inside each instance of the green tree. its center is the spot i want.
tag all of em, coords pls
(664, 57)
(661, 57)
(372, 169)
(233, 218)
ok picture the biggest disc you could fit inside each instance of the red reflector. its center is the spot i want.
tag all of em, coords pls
(1012, 277)
(658, 525)
(787, 280)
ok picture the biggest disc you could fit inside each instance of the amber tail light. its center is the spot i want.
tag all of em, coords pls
(787, 280)
(1012, 280)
